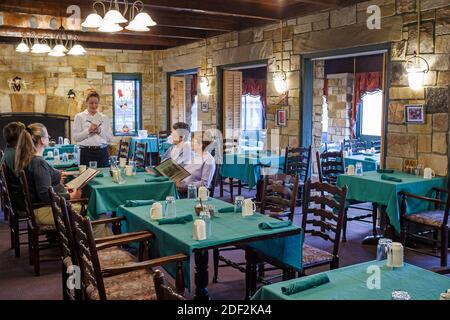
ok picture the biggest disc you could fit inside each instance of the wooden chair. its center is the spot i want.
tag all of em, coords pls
(330, 166)
(124, 149)
(140, 154)
(357, 146)
(435, 220)
(297, 162)
(229, 146)
(132, 281)
(163, 291)
(323, 216)
(376, 144)
(17, 216)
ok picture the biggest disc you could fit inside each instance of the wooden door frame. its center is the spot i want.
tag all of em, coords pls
(307, 78)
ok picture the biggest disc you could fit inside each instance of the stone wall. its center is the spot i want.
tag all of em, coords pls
(49, 79)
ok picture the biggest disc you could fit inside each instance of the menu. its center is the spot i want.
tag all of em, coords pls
(173, 170)
(82, 179)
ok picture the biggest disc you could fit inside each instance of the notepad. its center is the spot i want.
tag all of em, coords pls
(83, 179)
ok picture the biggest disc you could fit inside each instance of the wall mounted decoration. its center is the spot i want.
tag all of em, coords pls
(16, 84)
(281, 118)
(415, 114)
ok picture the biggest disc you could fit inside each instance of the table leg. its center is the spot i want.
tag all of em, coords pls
(250, 273)
(201, 275)
(373, 239)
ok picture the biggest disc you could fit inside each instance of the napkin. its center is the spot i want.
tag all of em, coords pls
(385, 171)
(157, 179)
(305, 284)
(72, 169)
(370, 159)
(274, 225)
(138, 203)
(177, 220)
(140, 169)
(389, 178)
(228, 209)
(99, 175)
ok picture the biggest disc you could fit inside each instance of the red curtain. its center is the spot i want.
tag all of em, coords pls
(255, 87)
(364, 83)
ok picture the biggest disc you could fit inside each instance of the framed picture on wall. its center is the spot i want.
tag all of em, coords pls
(204, 106)
(415, 113)
(281, 118)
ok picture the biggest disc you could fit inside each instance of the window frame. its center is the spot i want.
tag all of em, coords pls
(138, 115)
(359, 119)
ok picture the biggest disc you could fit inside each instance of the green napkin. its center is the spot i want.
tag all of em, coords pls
(274, 225)
(389, 178)
(370, 159)
(140, 169)
(138, 203)
(177, 220)
(228, 210)
(99, 175)
(305, 284)
(385, 171)
(72, 169)
(157, 179)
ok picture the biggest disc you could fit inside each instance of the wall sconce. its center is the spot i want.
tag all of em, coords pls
(416, 67)
(204, 86)
(279, 77)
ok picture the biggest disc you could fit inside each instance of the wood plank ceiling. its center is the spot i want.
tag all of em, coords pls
(178, 21)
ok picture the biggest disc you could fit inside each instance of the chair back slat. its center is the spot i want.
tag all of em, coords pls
(280, 194)
(330, 165)
(124, 149)
(140, 154)
(297, 162)
(316, 212)
(357, 146)
(5, 188)
(28, 206)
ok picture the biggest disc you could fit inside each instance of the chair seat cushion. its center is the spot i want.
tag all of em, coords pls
(313, 255)
(429, 218)
(135, 285)
(115, 256)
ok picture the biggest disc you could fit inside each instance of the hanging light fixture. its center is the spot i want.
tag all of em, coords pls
(279, 77)
(77, 49)
(204, 82)
(417, 67)
(94, 20)
(109, 26)
(23, 47)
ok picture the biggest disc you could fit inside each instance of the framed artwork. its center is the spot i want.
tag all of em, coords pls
(281, 118)
(204, 106)
(415, 114)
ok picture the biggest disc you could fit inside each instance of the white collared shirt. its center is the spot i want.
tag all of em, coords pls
(80, 129)
(201, 168)
(180, 153)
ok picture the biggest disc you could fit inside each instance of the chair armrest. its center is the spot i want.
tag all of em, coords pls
(113, 271)
(410, 195)
(108, 220)
(121, 236)
(139, 237)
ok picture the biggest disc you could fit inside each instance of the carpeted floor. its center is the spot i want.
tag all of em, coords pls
(18, 283)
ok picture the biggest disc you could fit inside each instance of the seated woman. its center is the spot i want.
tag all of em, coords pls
(201, 167)
(40, 174)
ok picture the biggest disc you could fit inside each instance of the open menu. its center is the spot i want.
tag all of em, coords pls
(173, 170)
(82, 179)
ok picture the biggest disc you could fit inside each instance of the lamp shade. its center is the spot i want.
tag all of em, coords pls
(22, 47)
(77, 50)
(108, 26)
(279, 80)
(60, 48)
(204, 86)
(136, 26)
(144, 19)
(114, 16)
(93, 20)
(55, 53)
(416, 77)
(39, 48)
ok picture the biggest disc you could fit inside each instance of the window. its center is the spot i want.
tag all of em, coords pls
(194, 113)
(371, 114)
(127, 118)
(252, 113)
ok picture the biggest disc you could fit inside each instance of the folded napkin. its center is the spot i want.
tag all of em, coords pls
(72, 169)
(370, 159)
(385, 171)
(389, 178)
(228, 209)
(138, 203)
(274, 225)
(140, 169)
(156, 179)
(177, 220)
(99, 175)
(305, 284)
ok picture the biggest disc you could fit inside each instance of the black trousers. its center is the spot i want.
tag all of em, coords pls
(99, 155)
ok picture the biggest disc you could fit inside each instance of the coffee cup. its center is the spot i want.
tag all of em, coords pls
(351, 170)
(203, 193)
(249, 208)
(50, 154)
(122, 162)
(428, 173)
(156, 211)
(66, 141)
(82, 168)
(128, 170)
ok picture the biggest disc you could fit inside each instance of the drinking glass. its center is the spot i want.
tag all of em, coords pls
(170, 210)
(93, 164)
(133, 163)
(205, 216)
(65, 157)
(56, 152)
(359, 169)
(113, 161)
(192, 191)
(382, 246)
(60, 140)
(238, 204)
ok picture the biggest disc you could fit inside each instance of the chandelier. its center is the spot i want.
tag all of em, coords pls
(140, 21)
(56, 45)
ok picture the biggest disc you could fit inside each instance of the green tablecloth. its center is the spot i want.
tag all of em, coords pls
(63, 164)
(227, 228)
(246, 167)
(63, 148)
(106, 196)
(350, 283)
(371, 188)
(367, 164)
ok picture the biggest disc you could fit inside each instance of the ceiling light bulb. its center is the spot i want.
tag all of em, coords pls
(114, 16)
(416, 77)
(92, 21)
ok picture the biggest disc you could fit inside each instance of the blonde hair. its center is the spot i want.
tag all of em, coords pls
(27, 145)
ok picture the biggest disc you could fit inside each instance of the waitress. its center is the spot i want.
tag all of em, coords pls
(92, 132)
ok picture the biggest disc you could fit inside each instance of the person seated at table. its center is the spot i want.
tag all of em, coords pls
(201, 167)
(180, 152)
(11, 133)
(40, 174)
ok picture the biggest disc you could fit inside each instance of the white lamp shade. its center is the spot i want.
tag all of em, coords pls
(60, 48)
(114, 16)
(204, 86)
(416, 78)
(22, 47)
(108, 26)
(92, 21)
(39, 48)
(54, 53)
(134, 26)
(279, 80)
(77, 50)
(144, 19)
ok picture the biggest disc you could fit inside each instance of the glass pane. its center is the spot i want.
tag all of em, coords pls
(126, 107)
(372, 106)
